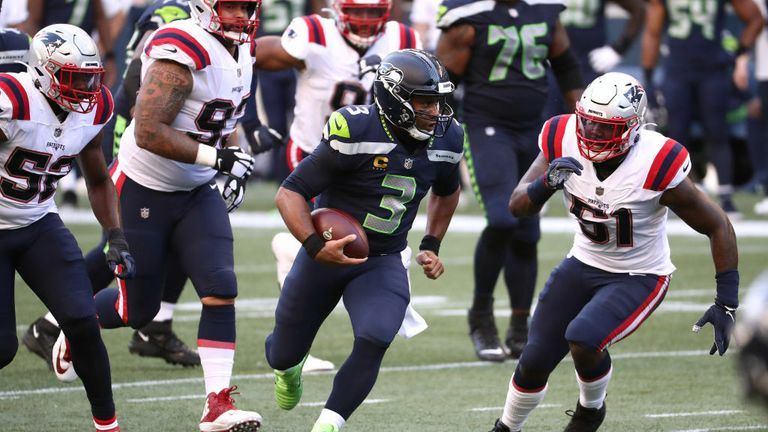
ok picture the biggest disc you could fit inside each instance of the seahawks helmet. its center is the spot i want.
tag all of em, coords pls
(207, 14)
(65, 65)
(610, 114)
(407, 73)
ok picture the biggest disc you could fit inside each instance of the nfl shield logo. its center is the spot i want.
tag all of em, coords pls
(144, 213)
(408, 164)
(57, 132)
(599, 190)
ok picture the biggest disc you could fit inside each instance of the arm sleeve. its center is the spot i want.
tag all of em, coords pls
(315, 173)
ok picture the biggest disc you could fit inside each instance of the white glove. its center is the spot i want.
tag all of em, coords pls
(604, 59)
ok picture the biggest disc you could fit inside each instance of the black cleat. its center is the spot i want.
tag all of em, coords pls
(485, 337)
(517, 336)
(585, 419)
(156, 339)
(39, 339)
(500, 427)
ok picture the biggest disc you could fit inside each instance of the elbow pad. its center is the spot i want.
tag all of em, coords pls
(567, 71)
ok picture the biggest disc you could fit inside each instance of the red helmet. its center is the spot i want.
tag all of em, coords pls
(207, 14)
(361, 21)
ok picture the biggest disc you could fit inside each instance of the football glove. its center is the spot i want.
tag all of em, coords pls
(233, 193)
(119, 258)
(560, 170)
(368, 64)
(262, 138)
(722, 319)
(234, 162)
(604, 59)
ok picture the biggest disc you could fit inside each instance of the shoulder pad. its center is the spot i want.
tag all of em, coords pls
(173, 43)
(551, 136)
(338, 132)
(14, 102)
(104, 107)
(670, 166)
(458, 11)
(401, 36)
(162, 13)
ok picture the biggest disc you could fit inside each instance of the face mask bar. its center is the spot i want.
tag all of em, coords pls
(77, 88)
(601, 139)
(237, 29)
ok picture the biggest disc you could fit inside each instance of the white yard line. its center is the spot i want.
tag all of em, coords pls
(694, 414)
(269, 376)
(501, 408)
(725, 428)
(365, 402)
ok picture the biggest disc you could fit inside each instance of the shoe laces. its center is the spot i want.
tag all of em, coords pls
(224, 397)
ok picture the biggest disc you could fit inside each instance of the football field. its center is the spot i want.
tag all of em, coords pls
(664, 379)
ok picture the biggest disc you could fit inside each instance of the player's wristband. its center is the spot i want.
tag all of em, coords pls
(539, 192)
(727, 288)
(206, 155)
(430, 243)
(313, 244)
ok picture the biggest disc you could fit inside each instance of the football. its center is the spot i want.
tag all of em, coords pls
(334, 224)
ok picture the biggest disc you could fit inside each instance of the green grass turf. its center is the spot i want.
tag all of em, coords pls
(430, 383)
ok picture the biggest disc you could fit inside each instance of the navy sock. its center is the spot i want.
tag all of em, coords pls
(520, 268)
(89, 357)
(489, 259)
(356, 377)
(217, 323)
(598, 371)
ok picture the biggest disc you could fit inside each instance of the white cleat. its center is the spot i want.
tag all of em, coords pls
(62, 360)
(221, 415)
(314, 364)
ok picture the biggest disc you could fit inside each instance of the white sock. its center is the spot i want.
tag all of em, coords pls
(331, 417)
(285, 247)
(49, 317)
(217, 367)
(520, 404)
(165, 313)
(592, 393)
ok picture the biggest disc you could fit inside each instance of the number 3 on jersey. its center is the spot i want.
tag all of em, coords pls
(393, 203)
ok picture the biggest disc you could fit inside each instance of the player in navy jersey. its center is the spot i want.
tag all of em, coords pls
(502, 51)
(14, 50)
(619, 180)
(50, 116)
(157, 338)
(697, 73)
(392, 152)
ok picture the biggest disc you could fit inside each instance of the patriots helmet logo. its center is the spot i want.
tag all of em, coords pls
(52, 41)
(634, 94)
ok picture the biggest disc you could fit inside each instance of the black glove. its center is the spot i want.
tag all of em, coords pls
(234, 162)
(119, 258)
(262, 138)
(368, 64)
(722, 319)
(560, 169)
(233, 193)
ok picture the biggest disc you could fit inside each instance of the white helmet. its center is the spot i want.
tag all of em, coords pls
(610, 114)
(207, 14)
(361, 21)
(65, 65)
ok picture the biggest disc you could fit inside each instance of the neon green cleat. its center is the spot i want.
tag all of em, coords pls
(289, 386)
(324, 427)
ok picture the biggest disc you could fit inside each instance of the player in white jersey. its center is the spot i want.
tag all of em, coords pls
(618, 270)
(195, 78)
(334, 58)
(51, 116)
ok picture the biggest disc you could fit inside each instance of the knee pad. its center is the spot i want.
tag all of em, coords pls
(83, 330)
(221, 283)
(9, 344)
(582, 333)
(284, 247)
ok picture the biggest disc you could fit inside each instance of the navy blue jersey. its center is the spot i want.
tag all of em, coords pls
(359, 167)
(14, 48)
(76, 12)
(585, 22)
(506, 78)
(694, 36)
